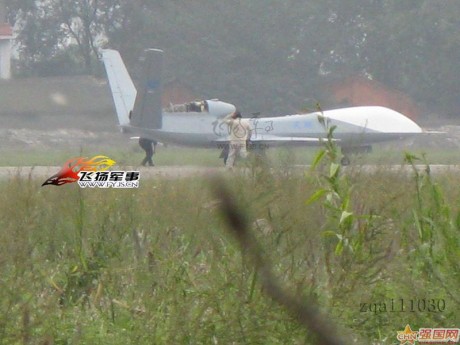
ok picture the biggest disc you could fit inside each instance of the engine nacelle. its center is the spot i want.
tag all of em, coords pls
(218, 108)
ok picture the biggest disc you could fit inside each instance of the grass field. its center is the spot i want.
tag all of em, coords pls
(127, 153)
(375, 251)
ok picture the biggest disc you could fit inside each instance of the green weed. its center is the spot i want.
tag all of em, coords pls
(154, 265)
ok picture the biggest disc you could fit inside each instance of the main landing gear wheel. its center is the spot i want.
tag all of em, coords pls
(345, 161)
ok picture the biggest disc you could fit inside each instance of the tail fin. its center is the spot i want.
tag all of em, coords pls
(147, 111)
(122, 87)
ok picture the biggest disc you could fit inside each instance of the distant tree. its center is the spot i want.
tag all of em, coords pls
(414, 46)
(60, 31)
(263, 55)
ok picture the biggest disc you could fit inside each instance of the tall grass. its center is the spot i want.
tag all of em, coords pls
(155, 265)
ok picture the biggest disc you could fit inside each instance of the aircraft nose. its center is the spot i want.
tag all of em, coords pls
(403, 124)
(387, 120)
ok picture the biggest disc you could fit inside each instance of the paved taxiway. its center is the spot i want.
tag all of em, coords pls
(172, 172)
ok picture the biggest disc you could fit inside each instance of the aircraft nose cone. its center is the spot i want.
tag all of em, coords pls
(400, 123)
(385, 120)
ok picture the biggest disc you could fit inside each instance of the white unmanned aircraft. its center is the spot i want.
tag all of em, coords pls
(198, 123)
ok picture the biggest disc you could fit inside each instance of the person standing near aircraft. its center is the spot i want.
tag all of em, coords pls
(239, 132)
(149, 147)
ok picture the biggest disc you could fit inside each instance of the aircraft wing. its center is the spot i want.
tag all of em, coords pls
(278, 140)
(429, 131)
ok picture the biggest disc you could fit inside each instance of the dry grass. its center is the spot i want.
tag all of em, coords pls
(155, 265)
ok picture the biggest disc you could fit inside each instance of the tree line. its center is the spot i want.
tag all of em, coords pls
(265, 55)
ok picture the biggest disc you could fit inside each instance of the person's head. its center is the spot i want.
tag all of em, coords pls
(236, 114)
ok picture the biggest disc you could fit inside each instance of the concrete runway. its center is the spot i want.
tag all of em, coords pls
(173, 172)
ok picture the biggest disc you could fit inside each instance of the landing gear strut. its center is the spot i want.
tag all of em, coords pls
(348, 151)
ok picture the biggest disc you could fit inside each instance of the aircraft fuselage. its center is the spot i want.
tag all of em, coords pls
(354, 127)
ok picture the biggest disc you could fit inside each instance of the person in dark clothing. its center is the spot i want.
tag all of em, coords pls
(224, 153)
(148, 146)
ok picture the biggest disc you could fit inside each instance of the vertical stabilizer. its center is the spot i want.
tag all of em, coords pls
(122, 87)
(147, 111)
